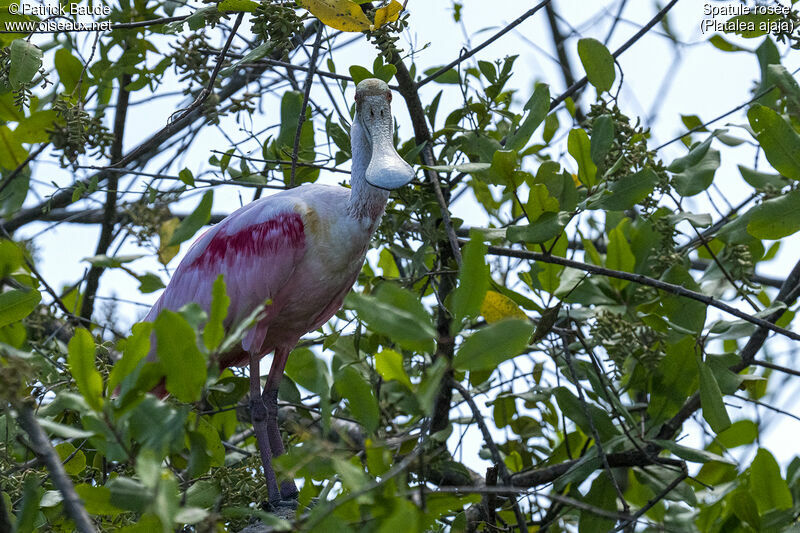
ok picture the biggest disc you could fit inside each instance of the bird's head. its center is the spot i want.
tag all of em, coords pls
(386, 169)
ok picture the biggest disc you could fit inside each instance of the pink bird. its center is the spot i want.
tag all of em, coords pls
(301, 249)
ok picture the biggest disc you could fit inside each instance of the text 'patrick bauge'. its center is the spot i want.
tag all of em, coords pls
(59, 10)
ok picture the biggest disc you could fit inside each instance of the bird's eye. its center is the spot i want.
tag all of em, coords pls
(389, 96)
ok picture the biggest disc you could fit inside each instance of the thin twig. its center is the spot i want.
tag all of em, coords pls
(306, 92)
(463, 57)
(209, 88)
(641, 280)
(595, 434)
(653, 501)
(578, 85)
(496, 457)
(18, 170)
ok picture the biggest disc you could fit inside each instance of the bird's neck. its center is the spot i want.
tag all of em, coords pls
(366, 201)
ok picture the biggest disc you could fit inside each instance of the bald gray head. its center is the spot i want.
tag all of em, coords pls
(386, 169)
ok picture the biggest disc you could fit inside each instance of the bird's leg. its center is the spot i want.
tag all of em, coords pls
(258, 413)
(270, 397)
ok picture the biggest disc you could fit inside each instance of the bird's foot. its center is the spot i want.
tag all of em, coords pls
(280, 507)
(289, 490)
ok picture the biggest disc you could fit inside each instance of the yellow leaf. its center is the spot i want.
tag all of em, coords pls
(342, 15)
(166, 253)
(228, 6)
(496, 307)
(387, 14)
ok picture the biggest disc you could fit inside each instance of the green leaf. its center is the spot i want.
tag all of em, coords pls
(473, 282)
(698, 177)
(538, 106)
(12, 154)
(788, 86)
(199, 218)
(601, 496)
(449, 76)
(711, 400)
(504, 165)
(766, 484)
(247, 6)
(29, 508)
(352, 386)
(396, 313)
(97, 500)
(598, 63)
(776, 218)
(149, 282)
(34, 129)
(579, 147)
(762, 180)
(628, 191)
(305, 369)
(619, 255)
(389, 365)
(134, 349)
(16, 304)
(540, 202)
(69, 70)
(690, 454)
(77, 459)
(359, 74)
(187, 177)
(214, 331)
(62, 430)
(184, 365)
(26, 60)
(575, 411)
(719, 42)
(491, 345)
(602, 138)
(546, 227)
(128, 494)
(105, 261)
(776, 136)
(688, 314)
(81, 351)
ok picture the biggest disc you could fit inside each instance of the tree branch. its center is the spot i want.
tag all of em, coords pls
(484, 44)
(41, 445)
(496, 457)
(139, 155)
(642, 280)
(306, 92)
(578, 85)
(110, 211)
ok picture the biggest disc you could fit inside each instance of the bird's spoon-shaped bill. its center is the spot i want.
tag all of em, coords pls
(386, 169)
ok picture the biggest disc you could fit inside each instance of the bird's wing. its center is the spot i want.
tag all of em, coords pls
(256, 249)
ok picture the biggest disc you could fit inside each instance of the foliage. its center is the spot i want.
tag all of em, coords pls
(603, 302)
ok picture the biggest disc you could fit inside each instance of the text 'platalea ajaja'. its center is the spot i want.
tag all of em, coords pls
(301, 250)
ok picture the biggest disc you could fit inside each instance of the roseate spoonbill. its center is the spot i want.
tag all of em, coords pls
(301, 249)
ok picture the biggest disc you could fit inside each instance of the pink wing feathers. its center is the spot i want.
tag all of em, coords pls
(256, 248)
